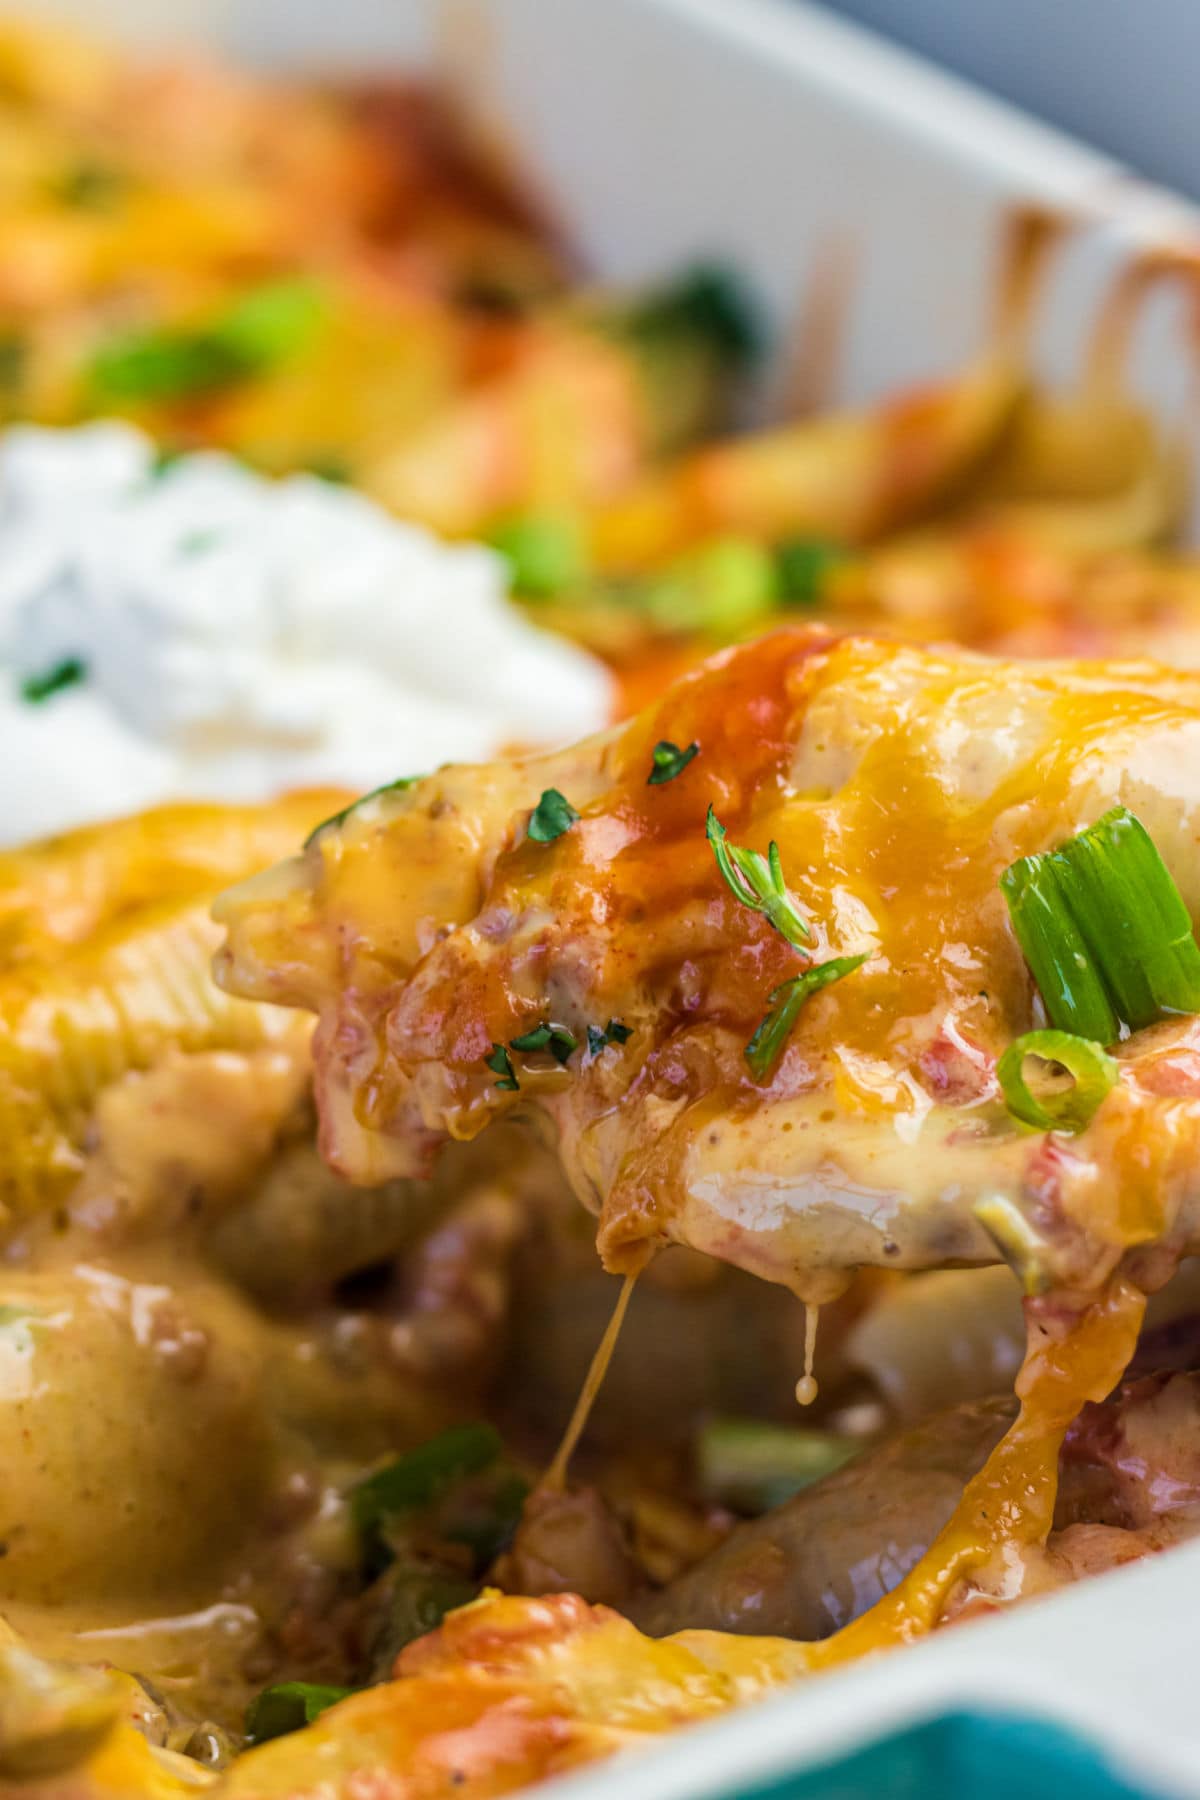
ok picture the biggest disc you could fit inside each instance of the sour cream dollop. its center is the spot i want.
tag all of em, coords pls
(239, 636)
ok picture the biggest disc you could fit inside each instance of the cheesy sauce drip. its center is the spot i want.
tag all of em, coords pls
(1010, 1502)
(806, 1387)
(1075, 1354)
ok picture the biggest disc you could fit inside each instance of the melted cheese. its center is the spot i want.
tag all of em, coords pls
(898, 785)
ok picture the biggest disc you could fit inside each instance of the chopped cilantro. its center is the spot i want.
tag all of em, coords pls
(67, 673)
(556, 1038)
(669, 761)
(339, 818)
(500, 1063)
(552, 815)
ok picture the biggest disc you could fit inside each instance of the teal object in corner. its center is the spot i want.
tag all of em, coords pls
(963, 1756)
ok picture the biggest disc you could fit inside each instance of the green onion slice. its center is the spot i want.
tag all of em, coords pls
(417, 1478)
(1023, 1248)
(1105, 930)
(724, 587)
(552, 815)
(757, 881)
(1056, 950)
(668, 761)
(708, 303)
(1061, 1104)
(803, 567)
(287, 1707)
(272, 322)
(753, 1465)
(546, 553)
(613, 1033)
(264, 327)
(766, 1046)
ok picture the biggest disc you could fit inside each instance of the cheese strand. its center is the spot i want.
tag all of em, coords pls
(555, 1479)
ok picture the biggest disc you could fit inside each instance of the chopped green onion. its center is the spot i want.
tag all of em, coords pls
(1105, 930)
(1056, 950)
(197, 543)
(1128, 903)
(418, 1477)
(708, 303)
(287, 1707)
(1060, 1105)
(546, 553)
(330, 466)
(613, 1033)
(265, 327)
(484, 1516)
(802, 568)
(669, 761)
(757, 881)
(410, 1600)
(753, 1466)
(90, 186)
(162, 366)
(14, 360)
(723, 587)
(552, 815)
(166, 458)
(786, 1001)
(556, 1038)
(67, 673)
(1022, 1248)
(273, 322)
(339, 818)
(500, 1063)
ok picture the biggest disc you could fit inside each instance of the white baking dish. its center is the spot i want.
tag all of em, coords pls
(775, 136)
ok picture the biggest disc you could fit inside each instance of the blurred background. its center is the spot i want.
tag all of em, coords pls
(1122, 77)
(339, 346)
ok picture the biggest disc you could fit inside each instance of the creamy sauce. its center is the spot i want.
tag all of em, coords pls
(173, 1451)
